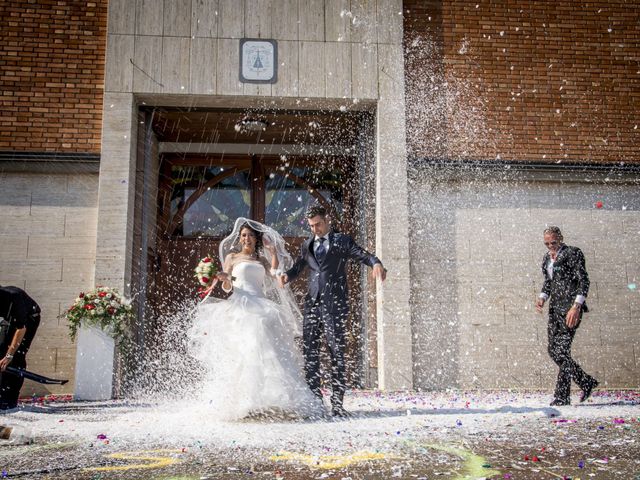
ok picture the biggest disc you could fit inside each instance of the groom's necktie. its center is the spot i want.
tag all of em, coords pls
(321, 251)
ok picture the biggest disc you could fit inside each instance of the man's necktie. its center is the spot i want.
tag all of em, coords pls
(321, 251)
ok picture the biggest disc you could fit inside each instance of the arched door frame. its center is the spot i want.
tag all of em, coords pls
(256, 167)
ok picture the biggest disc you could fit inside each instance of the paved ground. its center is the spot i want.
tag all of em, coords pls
(452, 435)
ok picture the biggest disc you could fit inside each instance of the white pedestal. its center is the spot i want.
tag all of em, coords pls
(94, 365)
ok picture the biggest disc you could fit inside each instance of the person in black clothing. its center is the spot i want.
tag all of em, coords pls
(19, 320)
(566, 285)
(326, 307)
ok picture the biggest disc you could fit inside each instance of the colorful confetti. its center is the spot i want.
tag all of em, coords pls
(380, 428)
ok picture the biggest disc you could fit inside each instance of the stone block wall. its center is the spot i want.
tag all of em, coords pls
(48, 238)
(476, 251)
(326, 48)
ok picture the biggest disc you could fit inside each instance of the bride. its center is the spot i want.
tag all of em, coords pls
(246, 342)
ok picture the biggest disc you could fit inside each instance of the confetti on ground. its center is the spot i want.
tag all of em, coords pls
(507, 434)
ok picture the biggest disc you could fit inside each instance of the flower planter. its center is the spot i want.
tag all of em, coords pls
(95, 319)
(94, 365)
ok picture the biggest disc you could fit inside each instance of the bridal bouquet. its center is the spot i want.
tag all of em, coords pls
(102, 307)
(206, 273)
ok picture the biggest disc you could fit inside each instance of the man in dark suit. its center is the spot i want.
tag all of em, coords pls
(19, 320)
(326, 304)
(566, 285)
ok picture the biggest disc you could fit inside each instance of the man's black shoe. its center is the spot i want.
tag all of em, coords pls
(586, 393)
(560, 403)
(339, 412)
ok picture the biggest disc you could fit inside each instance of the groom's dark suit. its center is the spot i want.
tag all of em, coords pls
(567, 280)
(326, 306)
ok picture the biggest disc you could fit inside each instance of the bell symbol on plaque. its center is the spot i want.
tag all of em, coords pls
(258, 63)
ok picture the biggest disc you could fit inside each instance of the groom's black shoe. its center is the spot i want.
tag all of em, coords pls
(586, 392)
(560, 402)
(339, 412)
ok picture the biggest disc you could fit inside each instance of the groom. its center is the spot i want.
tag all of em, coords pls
(326, 304)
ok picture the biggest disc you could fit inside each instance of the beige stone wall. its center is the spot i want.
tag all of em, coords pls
(326, 48)
(476, 252)
(48, 238)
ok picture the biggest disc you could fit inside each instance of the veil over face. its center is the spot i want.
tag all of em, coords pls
(282, 296)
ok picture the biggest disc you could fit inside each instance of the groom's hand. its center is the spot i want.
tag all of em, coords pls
(282, 280)
(379, 272)
(223, 276)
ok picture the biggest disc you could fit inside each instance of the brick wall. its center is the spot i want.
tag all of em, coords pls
(523, 80)
(52, 57)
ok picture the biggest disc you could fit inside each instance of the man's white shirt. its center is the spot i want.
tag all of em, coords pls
(579, 298)
(316, 243)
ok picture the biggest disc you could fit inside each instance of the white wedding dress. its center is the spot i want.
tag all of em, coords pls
(252, 364)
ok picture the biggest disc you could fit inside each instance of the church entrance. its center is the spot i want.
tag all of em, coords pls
(201, 196)
(206, 181)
